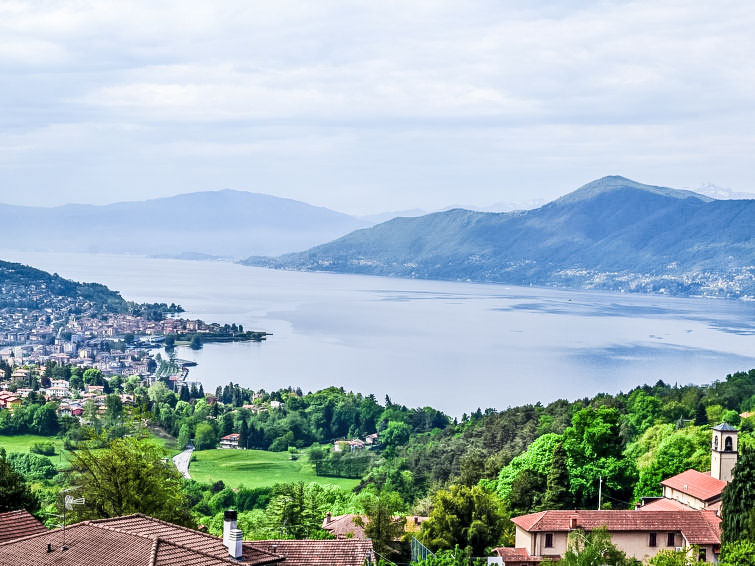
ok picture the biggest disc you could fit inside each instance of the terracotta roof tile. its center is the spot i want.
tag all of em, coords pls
(137, 540)
(340, 552)
(698, 527)
(196, 540)
(664, 504)
(126, 541)
(697, 484)
(17, 524)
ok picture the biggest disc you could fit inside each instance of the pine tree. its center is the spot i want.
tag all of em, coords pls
(184, 395)
(557, 494)
(701, 417)
(739, 499)
(244, 434)
(201, 391)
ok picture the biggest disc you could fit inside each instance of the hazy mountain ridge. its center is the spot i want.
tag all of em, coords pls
(613, 233)
(217, 223)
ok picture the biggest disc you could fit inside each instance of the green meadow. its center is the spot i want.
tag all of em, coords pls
(256, 468)
(22, 442)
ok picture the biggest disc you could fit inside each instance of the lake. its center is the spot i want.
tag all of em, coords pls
(454, 346)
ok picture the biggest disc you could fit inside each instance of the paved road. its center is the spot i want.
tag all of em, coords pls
(182, 462)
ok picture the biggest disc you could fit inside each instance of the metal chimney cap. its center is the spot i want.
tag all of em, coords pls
(230, 515)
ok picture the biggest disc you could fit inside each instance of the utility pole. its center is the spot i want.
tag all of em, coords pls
(600, 491)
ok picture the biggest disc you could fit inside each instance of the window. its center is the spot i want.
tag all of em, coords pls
(702, 556)
(728, 444)
(548, 540)
(671, 540)
(652, 540)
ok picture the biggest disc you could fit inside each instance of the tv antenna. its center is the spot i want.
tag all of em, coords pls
(68, 503)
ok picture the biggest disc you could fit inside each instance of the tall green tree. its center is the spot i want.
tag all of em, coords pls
(464, 516)
(595, 450)
(739, 553)
(381, 526)
(129, 476)
(557, 494)
(739, 499)
(14, 492)
(244, 434)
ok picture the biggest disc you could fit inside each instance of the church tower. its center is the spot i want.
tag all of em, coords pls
(724, 452)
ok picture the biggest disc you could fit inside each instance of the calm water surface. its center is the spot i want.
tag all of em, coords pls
(455, 346)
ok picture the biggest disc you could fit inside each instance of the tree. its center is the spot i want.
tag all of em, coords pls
(184, 436)
(14, 493)
(196, 342)
(45, 420)
(205, 437)
(668, 557)
(464, 516)
(455, 557)
(244, 434)
(129, 476)
(594, 549)
(32, 466)
(294, 511)
(739, 499)
(701, 417)
(557, 494)
(740, 553)
(594, 447)
(93, 376)
(381, 526)
(113, 408)
(527, 492)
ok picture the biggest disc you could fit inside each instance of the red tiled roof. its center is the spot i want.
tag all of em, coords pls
(232, 436)
(340, 552)
(196, 540)
(516, 555)
(698, 527)
(127, 541)
(664, 504)
(137, 540)
(17, 524)
(697, 484)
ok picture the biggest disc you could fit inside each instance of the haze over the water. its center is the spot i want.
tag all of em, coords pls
(367, 107)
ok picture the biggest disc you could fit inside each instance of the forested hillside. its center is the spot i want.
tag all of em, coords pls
(613, 233)
(507, 463)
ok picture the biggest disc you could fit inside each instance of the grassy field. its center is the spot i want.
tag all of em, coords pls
(256, 468)
(22, 442)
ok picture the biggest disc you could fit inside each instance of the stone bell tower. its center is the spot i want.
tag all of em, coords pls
(723, 455)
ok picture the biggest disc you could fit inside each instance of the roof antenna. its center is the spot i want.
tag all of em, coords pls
(68, 502)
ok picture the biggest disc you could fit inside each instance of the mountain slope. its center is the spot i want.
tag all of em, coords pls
(612, 233)
(27, 287)
(219, 223)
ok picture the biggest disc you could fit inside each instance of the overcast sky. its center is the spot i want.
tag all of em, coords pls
(372, 106)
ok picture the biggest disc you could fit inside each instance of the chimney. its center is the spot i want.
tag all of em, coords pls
(328, 518)
(229, 524)
(234, 544)
(572, 522)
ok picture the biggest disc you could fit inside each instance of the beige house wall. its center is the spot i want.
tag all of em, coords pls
(682, 497)
(635, 544)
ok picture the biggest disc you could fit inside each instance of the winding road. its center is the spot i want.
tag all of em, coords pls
(182, 462)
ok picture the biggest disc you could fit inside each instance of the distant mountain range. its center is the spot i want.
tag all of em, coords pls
(613, 233)
(197, 225)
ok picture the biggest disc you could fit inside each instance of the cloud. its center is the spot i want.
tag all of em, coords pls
(444, 91)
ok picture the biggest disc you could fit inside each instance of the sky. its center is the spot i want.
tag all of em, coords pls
(366, 106)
